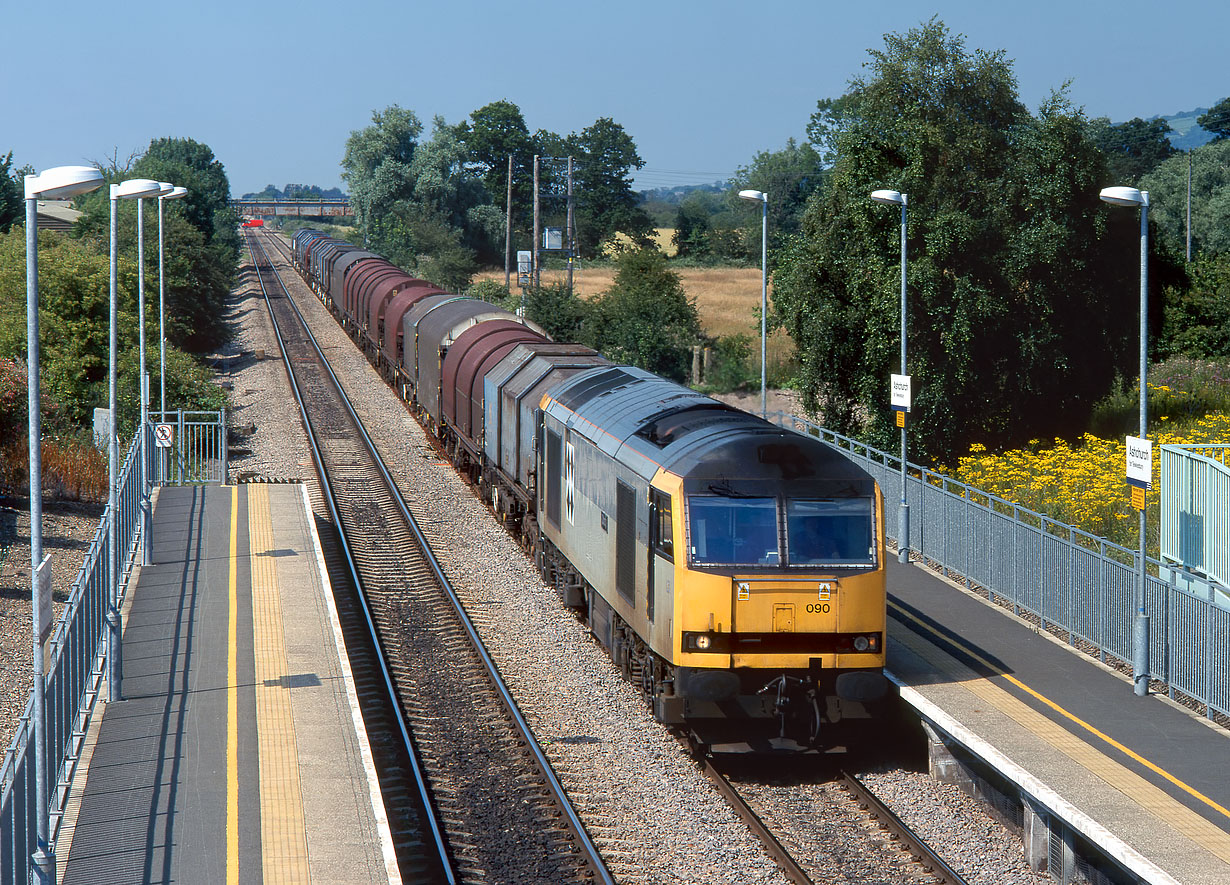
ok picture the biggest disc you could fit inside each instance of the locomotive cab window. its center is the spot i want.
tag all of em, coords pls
(661, 525)
(835, 532)
(732, 531)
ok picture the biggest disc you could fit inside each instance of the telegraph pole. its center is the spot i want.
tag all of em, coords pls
(508, 230)
(537, 275)
(571, 233)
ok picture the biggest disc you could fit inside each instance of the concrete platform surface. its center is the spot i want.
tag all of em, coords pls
(1144, 776)
(237, 752)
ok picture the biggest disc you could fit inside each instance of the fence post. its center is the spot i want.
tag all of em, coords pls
(226, 469)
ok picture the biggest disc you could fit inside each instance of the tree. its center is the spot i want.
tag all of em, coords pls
(1217, 120)
(789, 176)
(605, 201)
(1016, 271)
(191, 164)
(1132, 149)
(1167, 187)
(1197, 320)
(645, 318)
(376, 165)
(494, 132)
(12, 193)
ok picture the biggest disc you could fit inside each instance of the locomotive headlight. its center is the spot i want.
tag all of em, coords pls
(861, 643)
(703, 642)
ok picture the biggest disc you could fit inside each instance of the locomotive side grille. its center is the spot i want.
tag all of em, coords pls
(553, 477)
(625, 540)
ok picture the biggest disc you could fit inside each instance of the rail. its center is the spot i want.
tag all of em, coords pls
(581, 840)
(1077, 584)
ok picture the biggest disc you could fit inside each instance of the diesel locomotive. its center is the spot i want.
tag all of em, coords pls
(734, 570)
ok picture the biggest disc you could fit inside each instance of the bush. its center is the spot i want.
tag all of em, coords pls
(730, 365)
(645, 318)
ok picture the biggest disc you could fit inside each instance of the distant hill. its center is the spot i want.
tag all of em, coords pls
(1187, 133)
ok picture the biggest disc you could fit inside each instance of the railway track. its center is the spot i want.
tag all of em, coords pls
(914, 860)
(811, 858)
(489, 801)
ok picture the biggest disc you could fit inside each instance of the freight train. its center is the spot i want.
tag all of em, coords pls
(734, 570)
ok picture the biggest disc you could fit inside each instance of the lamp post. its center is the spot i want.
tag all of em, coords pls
(132, 189)
(175, 193)
(763, 199)
(896, 198)
(52, 184)
(1131, 197)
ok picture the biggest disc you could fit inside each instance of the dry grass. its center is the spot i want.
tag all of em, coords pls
(728, 299)
(72, 470)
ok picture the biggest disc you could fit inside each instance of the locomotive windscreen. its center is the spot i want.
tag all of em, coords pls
(746, 532)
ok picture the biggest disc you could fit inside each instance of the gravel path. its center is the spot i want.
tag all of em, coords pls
(68, 529)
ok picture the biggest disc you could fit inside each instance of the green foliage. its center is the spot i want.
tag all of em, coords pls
(1217, 120)
(376, 165)
(12, 193)
(645, 318)
(494, 132)
(730, 365)
(13, 401)
(605, 201)
(1132, 149)
(1167, 187)
(190, 164)
(74, 285)
(1016, 271)
(1182, 390)
(790, 177)
(492, 292)
(1197, 318)
(559, 311)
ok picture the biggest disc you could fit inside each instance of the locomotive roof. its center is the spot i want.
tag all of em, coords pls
(647, 422)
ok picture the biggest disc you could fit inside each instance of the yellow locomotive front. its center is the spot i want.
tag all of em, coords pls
(779, 593)
(735, 570)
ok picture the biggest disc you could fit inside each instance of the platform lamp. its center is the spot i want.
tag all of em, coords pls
(763, 199)
(896, 198)
(175, 193)
(134, 188)
(1131, 197)
(52, 184)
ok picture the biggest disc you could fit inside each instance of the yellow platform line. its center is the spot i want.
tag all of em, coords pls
(283, 833)
(232, 703)
(1155, 800)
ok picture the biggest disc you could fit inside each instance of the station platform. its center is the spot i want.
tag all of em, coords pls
(237, 751)
(1141, 776)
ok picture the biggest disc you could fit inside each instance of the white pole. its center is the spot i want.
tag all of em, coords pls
(114, 667)
(43, 856)
(1140, 667)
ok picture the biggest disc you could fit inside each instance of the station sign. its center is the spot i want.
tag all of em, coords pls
(900, 392)
(1139, 462)
(525, 267)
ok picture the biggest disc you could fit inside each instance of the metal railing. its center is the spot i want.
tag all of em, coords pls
(1079, 583)
(1195, 509)
(76, 654)
(196, 452)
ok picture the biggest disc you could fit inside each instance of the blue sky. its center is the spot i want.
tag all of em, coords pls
(275, 88)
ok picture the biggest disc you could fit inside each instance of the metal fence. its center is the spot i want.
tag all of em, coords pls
(195, 452)
(1074, 581)
(75, 652)
(1195, 509)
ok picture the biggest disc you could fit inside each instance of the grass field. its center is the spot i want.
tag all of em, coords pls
(727, 298)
